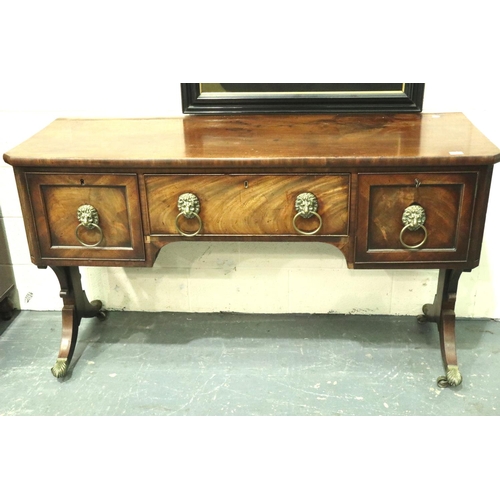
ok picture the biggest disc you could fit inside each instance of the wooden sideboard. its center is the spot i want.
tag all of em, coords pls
(392, 191)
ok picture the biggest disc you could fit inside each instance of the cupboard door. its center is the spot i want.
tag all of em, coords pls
(87, 216)
(415, 217)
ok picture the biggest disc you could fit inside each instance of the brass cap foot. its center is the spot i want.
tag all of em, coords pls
(60, 369)
(452, 378)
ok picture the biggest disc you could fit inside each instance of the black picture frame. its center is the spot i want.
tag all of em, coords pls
(351, 99)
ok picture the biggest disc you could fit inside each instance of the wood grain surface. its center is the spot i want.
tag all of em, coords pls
(55, 201)
(253, 142)
(448, 201)
(248, 205)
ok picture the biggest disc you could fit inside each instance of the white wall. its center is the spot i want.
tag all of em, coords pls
(43, 79)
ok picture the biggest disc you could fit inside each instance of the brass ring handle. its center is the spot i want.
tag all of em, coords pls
(412, 247)
(304, 232)
(89, 218)
(413, 219)
(189, 235)
(307, 205)
(189, 206)
(90, 225)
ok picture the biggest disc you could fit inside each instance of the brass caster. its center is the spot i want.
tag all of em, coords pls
(426, 317)
(102, 315)
(60, 369)
(452, 378)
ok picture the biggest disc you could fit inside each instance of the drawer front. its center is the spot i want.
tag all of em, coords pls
(116, 232)
(252, 205)
(446, 202)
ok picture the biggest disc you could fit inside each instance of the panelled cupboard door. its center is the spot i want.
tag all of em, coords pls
(415, 217)
(87, 216)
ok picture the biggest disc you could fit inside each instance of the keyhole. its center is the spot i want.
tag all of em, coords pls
(245, 184)
(82, 182)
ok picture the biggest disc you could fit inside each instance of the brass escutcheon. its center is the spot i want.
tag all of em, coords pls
(413, 219)
(189, 207)
(306, 205)
(89, 218)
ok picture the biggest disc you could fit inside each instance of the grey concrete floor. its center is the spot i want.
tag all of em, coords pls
(233, 364)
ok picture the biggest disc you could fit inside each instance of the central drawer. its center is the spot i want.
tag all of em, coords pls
(248, 205)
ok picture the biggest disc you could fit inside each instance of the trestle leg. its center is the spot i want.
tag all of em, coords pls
(442, 312)
(75, 307)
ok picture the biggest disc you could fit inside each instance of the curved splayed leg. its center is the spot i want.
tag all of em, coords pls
(442, 312)
(76, 306)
